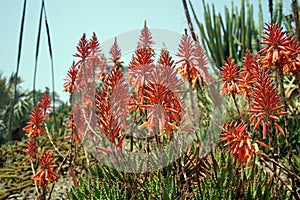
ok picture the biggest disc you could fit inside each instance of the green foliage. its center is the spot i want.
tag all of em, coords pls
(296, 167)
(233, 180)
(21, 108)
(230, 35)
(95, 189)
(234, 32)
(108, 183)
(226, 179)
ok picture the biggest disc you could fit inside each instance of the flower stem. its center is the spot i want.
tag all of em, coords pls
(235, 103)
(33, 171)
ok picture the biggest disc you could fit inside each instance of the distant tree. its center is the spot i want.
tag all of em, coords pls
(21, 109)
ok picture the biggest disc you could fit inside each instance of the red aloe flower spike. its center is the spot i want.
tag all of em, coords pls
(111, 105)
(95, 66)
(31, 148)
(85, 78)
(161, 95)
(230, 77)
(94, 45)
(141, 64)
(276, 53)
(145, 40)
(240, 143)
(140, 67)
(45, 104)
(194, 61)
(294, 65)
(248, 73)
(35, 127)
(186, 51)
(83, 48)
(98, 66)
(265, 106)
(103, 67)
(120, 100)
(115, 53)
(201, 62)
(45, 174)
(165, 59)
(70, 79)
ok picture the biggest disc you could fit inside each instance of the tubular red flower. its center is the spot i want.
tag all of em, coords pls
(277, 51)
(230, 77)
(45, 104)
(70, 79)
(201, 62)
(83, 48)
(161, 98)
(186, 49)
(115, 53)
(35, 127)
(94, 45)
(145, 39)
(165, 59)
(240, 143)
(45, 174)
(193, 61)
(140, 67)
(265, 104)
(112, 105)
(248, 73)
(31, 148)
(293, 66)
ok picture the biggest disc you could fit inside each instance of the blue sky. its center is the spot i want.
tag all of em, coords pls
(69, 19)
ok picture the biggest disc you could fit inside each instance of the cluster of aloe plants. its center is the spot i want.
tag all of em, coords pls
(254, 135)
(163, 80)
(257, 155)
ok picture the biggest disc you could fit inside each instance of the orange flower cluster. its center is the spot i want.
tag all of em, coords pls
(248, 73)
(111, 106)
(265, 106)
(91, 60)
(82, 76)
(281, 51)
(70, 79)
(45, 174)
(154, 102)
(115, 53)
(230, 73)
(166, 109)
(240, 143)
(141, 64)
(194, 61)
(255, 83)
(34, 129)
(155, 87)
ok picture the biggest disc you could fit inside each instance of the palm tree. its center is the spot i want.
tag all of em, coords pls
(21, 109)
